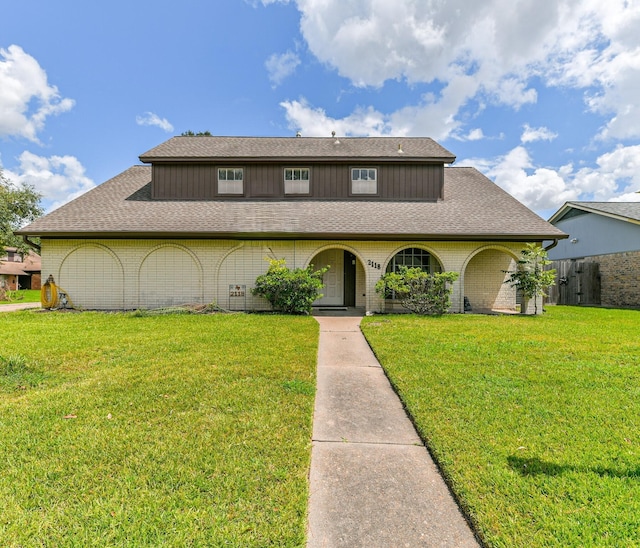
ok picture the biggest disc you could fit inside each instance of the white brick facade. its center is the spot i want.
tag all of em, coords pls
(131, 274)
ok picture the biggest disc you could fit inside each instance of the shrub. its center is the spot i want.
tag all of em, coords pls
(290, 291)
(530, 276)
(417, 290)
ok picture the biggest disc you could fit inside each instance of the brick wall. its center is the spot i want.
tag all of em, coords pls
(129, 274)
(619, 278)
(484, 281)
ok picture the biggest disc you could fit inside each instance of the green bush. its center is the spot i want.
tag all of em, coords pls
(531, 275)
(417, 290)
(290, 291)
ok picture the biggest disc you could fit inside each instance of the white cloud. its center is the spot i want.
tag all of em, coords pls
(502, 48)
(152, 119)
(531, 134)
(314, 122)
(628, 197)
(616, 177)
(26, 97)
(537, 188)
(59, 179)
(431, 117)
(475, 135)
(281, 66)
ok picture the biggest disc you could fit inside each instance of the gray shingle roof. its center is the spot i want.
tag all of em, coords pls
(474, 208)
(626, 211)
(318, 148)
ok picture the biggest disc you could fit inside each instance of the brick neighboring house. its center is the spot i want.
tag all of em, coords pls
(197, 224)
(606, 233)
(18, 272)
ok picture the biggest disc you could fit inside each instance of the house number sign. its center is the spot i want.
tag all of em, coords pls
(237, 290)
(373, 264)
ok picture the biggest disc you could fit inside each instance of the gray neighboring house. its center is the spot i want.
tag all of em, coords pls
(197, 223)
(607, 234)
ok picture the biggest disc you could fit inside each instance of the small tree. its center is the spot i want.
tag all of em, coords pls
(290, 291)
(417, 290)
(530, 276)
(18, 205)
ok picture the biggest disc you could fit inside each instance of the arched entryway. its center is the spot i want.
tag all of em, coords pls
(484, 280)
(344, 281)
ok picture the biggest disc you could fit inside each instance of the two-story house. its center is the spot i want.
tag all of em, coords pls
(197, 224)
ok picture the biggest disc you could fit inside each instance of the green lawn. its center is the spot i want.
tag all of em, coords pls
(534, 420)
(23, 296)
(140, 430)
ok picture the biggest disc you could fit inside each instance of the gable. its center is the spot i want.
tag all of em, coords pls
(592, 234)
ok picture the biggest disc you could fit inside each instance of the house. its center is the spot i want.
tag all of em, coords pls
(18, 271)
(604, 238)
(197, 223)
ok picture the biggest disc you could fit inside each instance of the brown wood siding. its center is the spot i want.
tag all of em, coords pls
(184, 182)
(193, 181)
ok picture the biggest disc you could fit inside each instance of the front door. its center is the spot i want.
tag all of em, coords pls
(349, 279)
(333, 279)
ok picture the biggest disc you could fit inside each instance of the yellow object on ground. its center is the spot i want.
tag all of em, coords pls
(52, 296)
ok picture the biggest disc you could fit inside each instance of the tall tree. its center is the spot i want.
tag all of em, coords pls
(19, 205)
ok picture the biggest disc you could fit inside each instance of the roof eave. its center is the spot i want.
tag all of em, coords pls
(122, 235)
(559, 215)
(297, 159)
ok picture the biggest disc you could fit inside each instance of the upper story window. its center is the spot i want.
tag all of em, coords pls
(364, 180)
(296, 180)
(230, 180)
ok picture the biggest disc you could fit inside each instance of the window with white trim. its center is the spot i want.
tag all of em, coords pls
(414, 257)
(364, 180)
(296, 180)
(230, 180)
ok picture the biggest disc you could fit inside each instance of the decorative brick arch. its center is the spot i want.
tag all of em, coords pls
(175, 278)
(93, 276)
(326, 247)
(418, 245)
(346, 288)
(482, 278)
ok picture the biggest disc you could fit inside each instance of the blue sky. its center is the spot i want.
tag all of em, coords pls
(543, 96)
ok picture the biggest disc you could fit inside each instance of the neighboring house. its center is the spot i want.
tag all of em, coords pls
(199, 222)
(18, 272)
(607, 234)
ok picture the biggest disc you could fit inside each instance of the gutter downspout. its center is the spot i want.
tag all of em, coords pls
(551, 245)
(31, 244)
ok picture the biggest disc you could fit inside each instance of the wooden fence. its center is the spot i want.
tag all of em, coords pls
(577, 282)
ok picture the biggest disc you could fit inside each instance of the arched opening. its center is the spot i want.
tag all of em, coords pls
(344, 282)
(484, 282)
(411, 257)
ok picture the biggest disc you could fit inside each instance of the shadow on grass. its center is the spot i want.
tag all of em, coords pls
(535, 467)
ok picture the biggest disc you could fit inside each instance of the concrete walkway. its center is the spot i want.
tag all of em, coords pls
(17, 306)
(373, 483)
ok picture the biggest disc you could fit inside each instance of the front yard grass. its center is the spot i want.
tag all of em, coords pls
(535, 421)
(137, 430)
(23, 296)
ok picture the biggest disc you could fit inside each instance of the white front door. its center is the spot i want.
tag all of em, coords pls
(333, 279)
